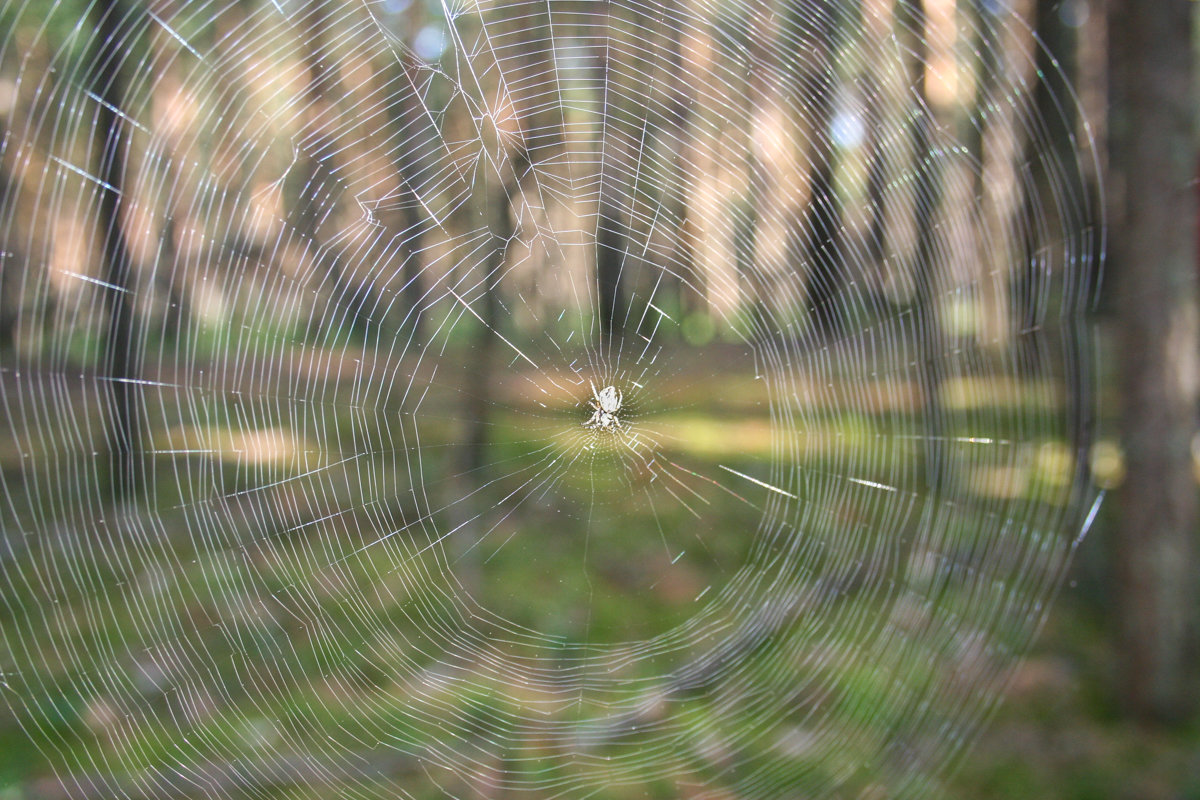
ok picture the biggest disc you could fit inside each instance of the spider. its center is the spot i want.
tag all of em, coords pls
(606, 402)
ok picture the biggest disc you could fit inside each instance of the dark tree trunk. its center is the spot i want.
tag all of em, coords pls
(822, 256)
(469, 465)
(677, 128)
(483, 347)
(498, 193)
(316, 186)
(611, 237)
(1153, 141)
(1055, 122)
(927, 199)
(610, 255)
(1056, 66)
(992, 127)
(122, 349)
(407, 116)
(9, 300)
(759, 275)
(1058, 70)
(175, 313)
(876, 182)
(987, 67)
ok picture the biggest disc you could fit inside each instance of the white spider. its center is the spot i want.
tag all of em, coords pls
(606, 402)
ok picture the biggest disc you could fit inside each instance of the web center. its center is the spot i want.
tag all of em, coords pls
(605, 404)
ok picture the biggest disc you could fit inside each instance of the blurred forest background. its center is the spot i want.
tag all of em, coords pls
(190, 243)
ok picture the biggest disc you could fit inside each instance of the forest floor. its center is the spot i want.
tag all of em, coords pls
(1060, 734)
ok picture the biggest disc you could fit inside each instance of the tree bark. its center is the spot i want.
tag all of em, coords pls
(497, 199)
(610, 256)
(1153, 143)
(315, 184)
(122, 349)
(406, 114)
(9, 288)
(1053, 141)
(823, 221)
(926, 203)
(612, 234)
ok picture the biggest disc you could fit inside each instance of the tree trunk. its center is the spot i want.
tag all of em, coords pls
(122, 349)
(9, 285)
(1055, 116)
(823, 221)
(316, 188)
(1153, 141)
(497, 193)
(406, 115)
(610, 257)
(612, 234)
(988, 140)
(482, 356)
(926, 203)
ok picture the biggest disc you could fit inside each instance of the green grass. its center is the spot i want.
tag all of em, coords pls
(323, 597)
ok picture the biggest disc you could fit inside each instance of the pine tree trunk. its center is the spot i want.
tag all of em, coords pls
(122, 351)
(1153, 141)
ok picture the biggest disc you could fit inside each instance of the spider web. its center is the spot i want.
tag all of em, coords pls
(300, 496)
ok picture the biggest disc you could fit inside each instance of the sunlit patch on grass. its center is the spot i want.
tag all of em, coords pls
(1108, 464)
(1055, 464)
(710, 437)
(264, 447)
(1001, 482)
(958, 394)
